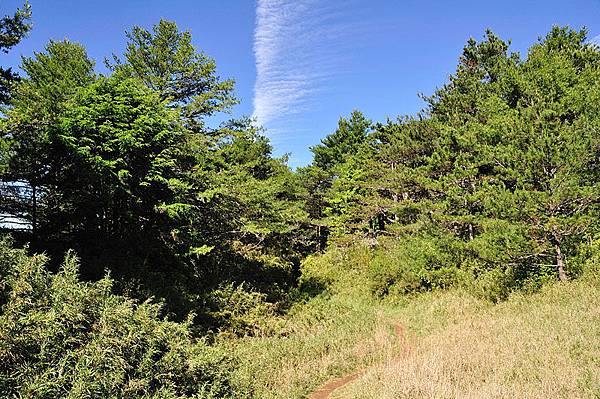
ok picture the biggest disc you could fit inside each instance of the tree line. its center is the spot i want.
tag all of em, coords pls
(496, 177)
(124, 169)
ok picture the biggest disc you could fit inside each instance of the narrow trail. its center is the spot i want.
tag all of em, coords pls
(325, 391)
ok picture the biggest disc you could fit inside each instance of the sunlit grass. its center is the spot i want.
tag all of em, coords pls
(340, 330)
(542, 345)
(545, 345)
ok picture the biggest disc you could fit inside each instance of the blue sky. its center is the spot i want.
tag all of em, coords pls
(301, 64)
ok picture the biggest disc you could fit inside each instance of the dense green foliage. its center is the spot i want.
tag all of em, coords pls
(497, 177)
(124, 170)
(60, 337)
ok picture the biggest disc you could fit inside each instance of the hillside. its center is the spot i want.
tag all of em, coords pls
(540, 345)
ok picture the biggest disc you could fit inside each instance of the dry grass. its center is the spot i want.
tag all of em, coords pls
(545, 345)
(333, 334)
(349, 337)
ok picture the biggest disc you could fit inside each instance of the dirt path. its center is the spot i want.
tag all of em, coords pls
(325, 391)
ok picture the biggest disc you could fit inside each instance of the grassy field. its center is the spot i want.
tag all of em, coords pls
(542, 345)
(545, 345)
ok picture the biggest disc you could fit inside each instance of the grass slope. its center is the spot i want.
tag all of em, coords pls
(340, 330)
(544, 345)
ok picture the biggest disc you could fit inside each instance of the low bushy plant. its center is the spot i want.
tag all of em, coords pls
(241, 311)
(64, 338)
(414, 264)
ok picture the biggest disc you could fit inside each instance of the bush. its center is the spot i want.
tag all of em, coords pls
(239, 311)
(589, 261)
(60, 337)
(414, 264)
(492, 285)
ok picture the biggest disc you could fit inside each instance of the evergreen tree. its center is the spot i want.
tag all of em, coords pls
(13, 28)
(166, 61)
(345, 142)
(39, 100)
(124, 170)
(329, 168)
(502, 163)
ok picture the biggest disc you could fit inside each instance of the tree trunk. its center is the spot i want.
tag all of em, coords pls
(33, 211)
(560, 263)
(319, 249)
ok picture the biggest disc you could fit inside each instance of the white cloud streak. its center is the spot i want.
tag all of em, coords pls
(298, 46)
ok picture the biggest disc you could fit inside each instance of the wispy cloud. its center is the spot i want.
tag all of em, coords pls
(299, 45)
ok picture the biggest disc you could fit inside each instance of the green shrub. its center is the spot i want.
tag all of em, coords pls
(492, 285)
(241, 312)
(414, 264)
(337, 270)
(60, 337)
(394, 273)
(589, 261)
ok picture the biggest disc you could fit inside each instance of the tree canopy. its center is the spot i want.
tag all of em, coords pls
(13, 28)
(501, 165)
(124, 169)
